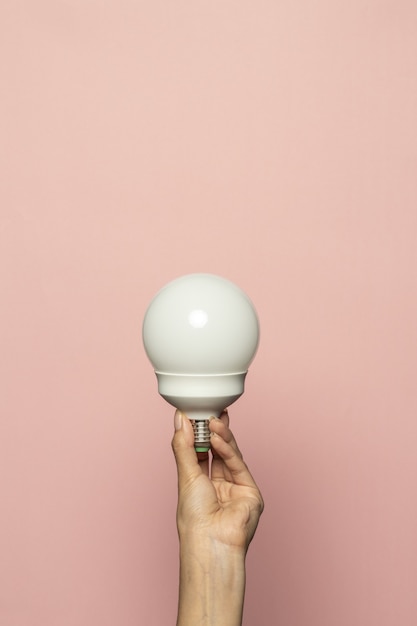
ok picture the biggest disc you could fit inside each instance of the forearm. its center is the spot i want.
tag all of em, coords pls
(212, 584)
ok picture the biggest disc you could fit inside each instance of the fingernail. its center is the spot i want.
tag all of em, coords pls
(177, 420)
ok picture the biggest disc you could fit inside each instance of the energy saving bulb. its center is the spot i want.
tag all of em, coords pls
(201, 333)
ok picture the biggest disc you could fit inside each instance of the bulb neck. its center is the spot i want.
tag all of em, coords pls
(201, 396)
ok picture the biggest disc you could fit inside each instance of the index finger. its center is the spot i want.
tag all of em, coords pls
(233, 461)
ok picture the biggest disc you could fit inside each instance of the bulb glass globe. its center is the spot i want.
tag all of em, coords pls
(201, 333)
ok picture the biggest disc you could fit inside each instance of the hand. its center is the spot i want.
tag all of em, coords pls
(221, 503)
(217, 515)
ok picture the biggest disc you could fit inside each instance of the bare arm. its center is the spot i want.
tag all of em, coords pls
(218, 512)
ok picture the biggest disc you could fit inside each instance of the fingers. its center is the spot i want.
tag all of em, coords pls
(188, 466)
(227, 453)
(227, 461)
(218, 469)
(220, 427)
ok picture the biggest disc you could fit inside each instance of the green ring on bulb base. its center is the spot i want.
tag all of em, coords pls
(205, 449)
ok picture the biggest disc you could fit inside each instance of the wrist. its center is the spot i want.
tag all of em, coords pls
(209, 546)
(212, 582)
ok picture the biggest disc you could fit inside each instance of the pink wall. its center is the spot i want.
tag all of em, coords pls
(271, 142)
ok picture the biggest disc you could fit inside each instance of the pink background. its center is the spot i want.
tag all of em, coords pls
(274, 143)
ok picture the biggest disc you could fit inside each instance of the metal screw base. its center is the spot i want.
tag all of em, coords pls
(201, 435)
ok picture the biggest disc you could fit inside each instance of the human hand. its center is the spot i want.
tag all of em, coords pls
(221, 502)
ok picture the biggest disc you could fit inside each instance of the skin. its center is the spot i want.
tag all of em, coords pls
(219, 505)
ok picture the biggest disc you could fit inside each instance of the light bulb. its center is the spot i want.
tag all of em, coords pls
(201, 333)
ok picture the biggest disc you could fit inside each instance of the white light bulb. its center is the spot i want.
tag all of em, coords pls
(201, 333)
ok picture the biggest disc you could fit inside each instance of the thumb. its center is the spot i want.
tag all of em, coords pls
(183, 448)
